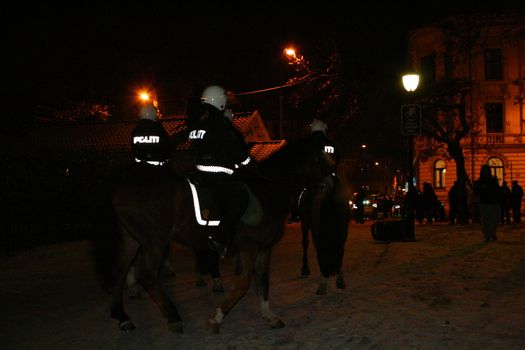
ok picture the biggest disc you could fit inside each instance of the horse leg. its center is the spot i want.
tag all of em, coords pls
(128, 254)
(131, 283)
(151, 260)
(207, 262)
(322, 255)
(323, 287)
(305, 270)
(215, 274)
(199, 269)
(262, 281)
(167, 264)
(238, 267)
(241, 286)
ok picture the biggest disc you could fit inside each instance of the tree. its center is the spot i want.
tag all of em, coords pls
(78, 112)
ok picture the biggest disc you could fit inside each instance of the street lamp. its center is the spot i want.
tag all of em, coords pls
(411, 125)
(292, 57)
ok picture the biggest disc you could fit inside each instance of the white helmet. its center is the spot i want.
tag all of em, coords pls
(216, 96)
(148, 112)
(318, 125)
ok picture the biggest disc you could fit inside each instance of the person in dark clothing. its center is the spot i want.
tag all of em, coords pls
(453, 203)
(218, 151)
(516, 195)
(419, 208)
(487, 188)
(358, 201)
(388, 203)
(505, 203)
(429, 202)
(151, 147)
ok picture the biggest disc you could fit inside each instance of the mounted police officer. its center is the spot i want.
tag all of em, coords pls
(328, 156)
(150, 142)
(219, 151)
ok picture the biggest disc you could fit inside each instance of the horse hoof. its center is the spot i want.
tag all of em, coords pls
(322, 289)
(127, 326)
(214, 326)
(340, 283)
(277, 324)
(176, 327)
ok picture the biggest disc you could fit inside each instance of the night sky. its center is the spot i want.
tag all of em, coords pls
(103, 53)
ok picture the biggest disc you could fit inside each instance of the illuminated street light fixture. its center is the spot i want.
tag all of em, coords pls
(296, 59)
(143, 96)
(290, 53)
(411, 125)
(410, 82)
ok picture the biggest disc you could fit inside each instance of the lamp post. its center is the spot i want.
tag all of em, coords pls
(289, 53)
(410, 126)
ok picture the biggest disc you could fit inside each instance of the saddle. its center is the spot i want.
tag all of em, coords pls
(204, 206)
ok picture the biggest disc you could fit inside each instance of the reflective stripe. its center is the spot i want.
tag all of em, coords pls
(146, 139)
(243, 163)
(215, 169)
(301, 196)
(152, 162)
(329, 149)
(197, 134)
(197, 206)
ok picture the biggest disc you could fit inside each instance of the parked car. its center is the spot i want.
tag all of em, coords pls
(372, 205)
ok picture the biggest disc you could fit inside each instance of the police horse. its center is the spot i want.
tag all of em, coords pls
(329, 235)
(152, 213)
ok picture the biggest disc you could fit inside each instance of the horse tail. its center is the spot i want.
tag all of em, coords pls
(333, 231)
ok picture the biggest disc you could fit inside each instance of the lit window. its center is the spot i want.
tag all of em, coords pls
(440, 171)
(496, 168)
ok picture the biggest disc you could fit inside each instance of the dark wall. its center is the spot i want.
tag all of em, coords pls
(54, 195)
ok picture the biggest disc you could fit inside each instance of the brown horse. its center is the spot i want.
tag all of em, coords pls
(151, 211)
(329, 233)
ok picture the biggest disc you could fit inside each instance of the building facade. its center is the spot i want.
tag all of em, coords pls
(488, 51)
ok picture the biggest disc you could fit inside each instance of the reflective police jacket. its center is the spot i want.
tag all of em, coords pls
(150, 143)
(328, 152)
(218, 147)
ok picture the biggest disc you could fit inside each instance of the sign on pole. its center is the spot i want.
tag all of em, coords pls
(411, 119)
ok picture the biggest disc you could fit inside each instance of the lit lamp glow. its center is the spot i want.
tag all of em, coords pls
(410, 82)
(289, 52)
(144, 96)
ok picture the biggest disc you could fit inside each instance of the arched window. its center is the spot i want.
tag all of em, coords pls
(496, 168)
(440, 171)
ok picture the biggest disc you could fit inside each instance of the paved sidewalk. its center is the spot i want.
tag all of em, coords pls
(447, 290)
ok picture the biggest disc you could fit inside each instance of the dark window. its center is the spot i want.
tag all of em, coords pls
(493, 64)
(494, 117)
(428, 70)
